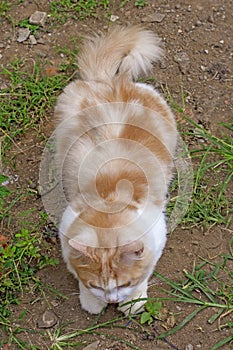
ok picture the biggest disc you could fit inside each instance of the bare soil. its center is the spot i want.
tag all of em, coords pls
(197, 38)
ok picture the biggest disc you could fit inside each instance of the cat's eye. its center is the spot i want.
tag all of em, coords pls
(91, 285)
(125, 285)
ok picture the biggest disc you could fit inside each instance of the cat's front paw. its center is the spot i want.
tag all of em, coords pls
(135, 307)
(89, 302)
(94, 306)
(132, 307)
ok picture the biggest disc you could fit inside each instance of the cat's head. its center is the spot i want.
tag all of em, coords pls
(108, 256)
(111, 274)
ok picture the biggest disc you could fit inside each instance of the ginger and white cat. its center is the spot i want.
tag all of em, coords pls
(115, 142)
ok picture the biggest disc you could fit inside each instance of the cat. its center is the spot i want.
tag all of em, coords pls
(115, 142)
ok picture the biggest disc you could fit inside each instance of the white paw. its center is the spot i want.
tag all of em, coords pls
(135, 307)
(132, 307)
(89, 302)
(93, 307)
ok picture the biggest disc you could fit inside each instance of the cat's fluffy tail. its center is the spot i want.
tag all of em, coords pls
(123, 51)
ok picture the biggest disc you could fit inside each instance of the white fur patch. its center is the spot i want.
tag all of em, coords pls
(68, 218)
(146, 86)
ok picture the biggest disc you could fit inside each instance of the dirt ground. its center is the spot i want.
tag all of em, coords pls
(197, 38)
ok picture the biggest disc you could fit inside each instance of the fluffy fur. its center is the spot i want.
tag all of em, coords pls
(114, 143)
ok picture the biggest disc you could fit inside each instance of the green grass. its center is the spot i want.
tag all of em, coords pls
(211, 201)
(4, 193)
(212, 157)
(24, 23)
(29, 96)
(63, 9)
(4, 8)
(137, 3)
(19, 259)
(208, 285)
(70, 54)
(140, 3)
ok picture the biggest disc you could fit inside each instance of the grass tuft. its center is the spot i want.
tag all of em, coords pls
(208, 285)
(61, 10)
(212, 159)
(4, 8)
(28, 97)
(19, 260)
(24, 23)
(211, 201)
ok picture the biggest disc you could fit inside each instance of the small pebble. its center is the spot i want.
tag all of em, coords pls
(189, 347)
(198, 23)
(47, 320)
(92, 346)
(210, 19)
(183, 60)
(42, 54)
(114, 18)
(200, 109)
(23, 34)
(154, 17)
(38, 18)
(195, 243)
(41, 41)
(32, 40)
(203, 68)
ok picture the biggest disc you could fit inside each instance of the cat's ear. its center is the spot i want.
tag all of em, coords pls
(133, 250)
(85, 241)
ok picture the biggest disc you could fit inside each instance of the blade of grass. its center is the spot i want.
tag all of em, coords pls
(222, 342)
(185, 296)
(204, 288)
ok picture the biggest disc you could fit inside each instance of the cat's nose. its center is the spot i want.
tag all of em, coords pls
(111, 300)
